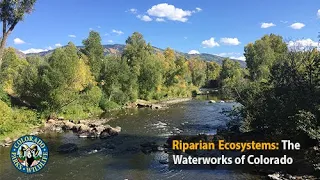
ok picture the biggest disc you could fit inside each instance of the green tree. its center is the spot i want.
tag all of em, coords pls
(198, 71)
(11, 69)
(261, 55)
(94, 50)
(116, 80)
(231, 77)
(11, 13)
(136, 51)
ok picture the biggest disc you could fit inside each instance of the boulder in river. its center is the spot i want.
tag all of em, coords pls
(113, 131)
(104, 134)
(68, 125)
(212, 101)
(67, 148)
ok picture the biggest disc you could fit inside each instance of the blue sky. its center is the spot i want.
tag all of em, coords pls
(207, 26)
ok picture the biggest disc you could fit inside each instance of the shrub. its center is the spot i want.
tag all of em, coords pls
(107, 105)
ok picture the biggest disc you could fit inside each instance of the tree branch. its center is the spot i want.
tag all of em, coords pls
(4, 28)
(13, 25)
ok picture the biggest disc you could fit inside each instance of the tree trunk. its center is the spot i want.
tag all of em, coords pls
(2, 46)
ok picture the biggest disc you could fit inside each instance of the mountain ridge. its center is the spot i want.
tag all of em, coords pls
(117, 49)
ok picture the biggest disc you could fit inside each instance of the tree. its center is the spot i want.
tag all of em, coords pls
(136, 51)
(116, 80)
(94, 50)
(261, 55)
(198, 71)
(11, 13)
(213, 71)
(11, 69)
(231, 77)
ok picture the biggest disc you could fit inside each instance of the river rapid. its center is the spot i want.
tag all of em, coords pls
(122, 158)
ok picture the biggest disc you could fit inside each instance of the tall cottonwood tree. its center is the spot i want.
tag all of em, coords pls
(94, 50)
(11, 13)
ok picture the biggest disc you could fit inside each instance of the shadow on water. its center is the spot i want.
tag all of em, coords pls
(120, 157)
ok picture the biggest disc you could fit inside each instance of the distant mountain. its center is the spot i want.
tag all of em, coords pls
(117, 49)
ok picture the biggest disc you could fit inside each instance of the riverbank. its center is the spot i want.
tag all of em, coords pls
(43, 127)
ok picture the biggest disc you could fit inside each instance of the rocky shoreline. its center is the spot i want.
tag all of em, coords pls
(156, 105)
(93, 128)
(84, 129)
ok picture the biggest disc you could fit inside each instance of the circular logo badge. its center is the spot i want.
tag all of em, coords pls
(29, 154)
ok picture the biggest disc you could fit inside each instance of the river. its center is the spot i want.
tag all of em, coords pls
(122, 159)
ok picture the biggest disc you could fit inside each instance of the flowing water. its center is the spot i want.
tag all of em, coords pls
(122, 159)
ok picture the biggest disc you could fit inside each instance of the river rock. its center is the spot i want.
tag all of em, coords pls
(92, 135)
(163, 161)
(155, 106)
(67, 148)
(84, 128)
(149, 147)
(84, 135)
(212, 101)
(99, 129)
(7, 140)
(275, 176)
(51, 121)
(104, 134)
(113, 131)
(68, 125)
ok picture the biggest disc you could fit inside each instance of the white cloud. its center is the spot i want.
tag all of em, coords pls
(169, 12)
(241, 58)
(185, 37)
(133, 11)
(117, 32)
(318, 13)
(267, 25)
(198, 9)
(90, 29)
(230, 41)
(144, 18)
(106, 34)
(297, 25)
(193, 52)
(33, 50)
(160, 20)
(50, 48)
(18, 41)
(209, 43)
(99, 27)
(110, 41)
(58, 45)
(72, 36)
(302, 44)
(284, 22)
(228, 54)
(232, 55)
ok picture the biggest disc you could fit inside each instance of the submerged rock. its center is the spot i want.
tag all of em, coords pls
(67, 148)
(149, 147)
